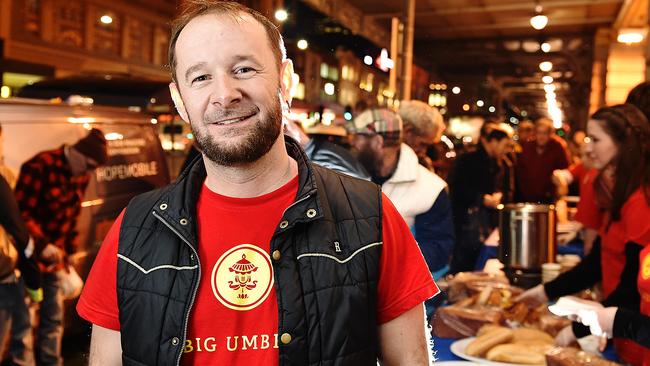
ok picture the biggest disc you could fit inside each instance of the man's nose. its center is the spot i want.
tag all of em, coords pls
(226, 91)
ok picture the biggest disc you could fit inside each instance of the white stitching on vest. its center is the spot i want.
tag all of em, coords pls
(145, 271)
(336, 259)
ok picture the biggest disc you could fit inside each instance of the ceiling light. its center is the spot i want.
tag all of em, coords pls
(539, 21)
(546, 66)
(302, 44)
(549, 88)
(631, 35)
(479, 103)
(546, 47)
(367, 60)
(455, 90)
(106, 19)
(281, 15)
(466, 107)
(492, 109)
(547, 79)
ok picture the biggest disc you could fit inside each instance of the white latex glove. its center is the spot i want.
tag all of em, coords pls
(600, 321)
(565, 337)
(534, 297)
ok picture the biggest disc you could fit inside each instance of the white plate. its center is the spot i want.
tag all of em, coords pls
(458, 348)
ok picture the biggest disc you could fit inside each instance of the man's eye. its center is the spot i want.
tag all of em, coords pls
(200, 78)
(244, 70)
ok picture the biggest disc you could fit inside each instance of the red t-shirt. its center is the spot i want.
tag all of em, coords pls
(588, 213)
(237, 290)
(633, 226)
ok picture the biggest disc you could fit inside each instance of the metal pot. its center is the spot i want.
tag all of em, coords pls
(527, 236)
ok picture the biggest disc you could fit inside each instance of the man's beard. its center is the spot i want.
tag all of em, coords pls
(369, 159)
(256, 144)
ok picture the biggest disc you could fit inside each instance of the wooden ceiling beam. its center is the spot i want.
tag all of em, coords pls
(522, 5)
(519, 24)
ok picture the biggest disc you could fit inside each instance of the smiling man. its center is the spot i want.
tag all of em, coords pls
(254, 255)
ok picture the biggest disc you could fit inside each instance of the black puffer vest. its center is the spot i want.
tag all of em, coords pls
(326, 269)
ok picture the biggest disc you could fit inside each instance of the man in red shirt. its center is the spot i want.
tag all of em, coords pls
(254, 255)
(536, 163)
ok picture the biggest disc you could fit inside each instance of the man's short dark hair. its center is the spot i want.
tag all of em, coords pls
(195, 8)
(486, 128)
(496, 134)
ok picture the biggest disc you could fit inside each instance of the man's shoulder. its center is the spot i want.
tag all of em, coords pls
(45, 158)
(430, 179)
(339, 187)
(470, 156)
(143, 202)
(339, 159)
(329, 175)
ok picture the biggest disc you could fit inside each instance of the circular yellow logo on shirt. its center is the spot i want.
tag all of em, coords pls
(243, 277)
(645, 267)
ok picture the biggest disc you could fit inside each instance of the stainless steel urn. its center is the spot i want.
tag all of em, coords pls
(527, 240)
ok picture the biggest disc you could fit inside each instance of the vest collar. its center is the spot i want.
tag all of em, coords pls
(177, 207)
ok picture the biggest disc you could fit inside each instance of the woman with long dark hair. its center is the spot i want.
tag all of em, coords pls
(619, 146)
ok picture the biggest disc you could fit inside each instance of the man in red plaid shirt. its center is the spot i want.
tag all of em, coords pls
(49, 192)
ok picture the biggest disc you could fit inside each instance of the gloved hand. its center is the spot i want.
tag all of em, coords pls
(32, 277)
(565, 337)
(599, 321)
(35, 295)
(534, 297)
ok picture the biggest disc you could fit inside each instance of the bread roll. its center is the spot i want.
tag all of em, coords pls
(520, 335)
(487, 328)
(482, 344)
(521, 353)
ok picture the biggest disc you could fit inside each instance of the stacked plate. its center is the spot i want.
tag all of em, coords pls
(550, 271)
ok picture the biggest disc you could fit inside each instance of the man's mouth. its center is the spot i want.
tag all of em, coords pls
(233, 120)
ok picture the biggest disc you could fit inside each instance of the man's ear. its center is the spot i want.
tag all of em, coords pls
(178, 102)
(286, 80)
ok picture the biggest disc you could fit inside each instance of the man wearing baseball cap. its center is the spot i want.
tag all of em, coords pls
(49, 192)
(418, 194)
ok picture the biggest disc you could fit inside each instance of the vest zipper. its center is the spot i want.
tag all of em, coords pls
(196, 286)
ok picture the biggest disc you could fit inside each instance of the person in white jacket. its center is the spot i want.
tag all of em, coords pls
(418, 193)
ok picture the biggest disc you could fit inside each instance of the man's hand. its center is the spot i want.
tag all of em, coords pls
(534, 297)
(559, 179)
(404, 341)
(492, 200)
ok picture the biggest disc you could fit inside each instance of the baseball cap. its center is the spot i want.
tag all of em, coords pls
(376, 121)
